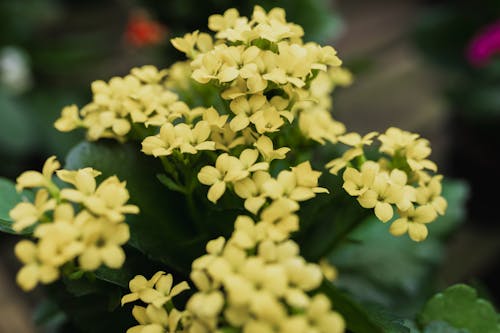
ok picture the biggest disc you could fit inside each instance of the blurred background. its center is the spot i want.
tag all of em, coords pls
(431, 67)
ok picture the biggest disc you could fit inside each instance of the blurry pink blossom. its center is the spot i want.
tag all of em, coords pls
(484, 45)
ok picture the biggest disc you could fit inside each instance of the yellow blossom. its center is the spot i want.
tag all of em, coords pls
(102, 243)
(157, 291)
(386, 189)
(152, 319)
(25, 214)
(356, 142)
(227, 169)
(70, 119)
(414, 149)
(30, 179)
(413, 221)
(33, 270)
(243, 108)
(431, 194)
(267, 151)
(252, 190)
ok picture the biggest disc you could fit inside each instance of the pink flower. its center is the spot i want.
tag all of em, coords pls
(484, 45)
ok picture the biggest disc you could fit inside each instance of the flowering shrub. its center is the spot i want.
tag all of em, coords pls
(238, 136)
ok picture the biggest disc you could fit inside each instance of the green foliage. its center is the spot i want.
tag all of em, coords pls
(442, 327)
(360, 319)
(17, 134)
(460, 307)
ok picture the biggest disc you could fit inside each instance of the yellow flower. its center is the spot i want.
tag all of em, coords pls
(59, 241)
(279, 220)
(102, 243)
(267, 151)
(242, 108)
(25, 214)
(30, 179)
(357, 142)
(227, 169)
(318, 125)
(414, 149)
(431, 194)
(253, 279)
(252, 190)
(33, 270)
(182, 136)
(149, 74)
(267, 120)
(226, 139)
(386, 189)
(222, 22)
(214, 119)
(358, 182)
(307, 177)
(329, 271)
(157, 291)
(187, 44)
(319, 312)
(69, 120)
(413, 221)
(155, 320)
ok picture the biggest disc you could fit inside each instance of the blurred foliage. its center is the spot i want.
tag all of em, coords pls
(444, 33)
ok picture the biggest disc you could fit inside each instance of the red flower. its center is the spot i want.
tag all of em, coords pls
(142, 31)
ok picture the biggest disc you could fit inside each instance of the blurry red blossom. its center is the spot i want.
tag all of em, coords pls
(141, 30)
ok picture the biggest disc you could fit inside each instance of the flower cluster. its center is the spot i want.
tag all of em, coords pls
(257, 284)
(138, 98)
(401, 179)
(266, 73)
(250, 282)
(234, 118)
(92, 234)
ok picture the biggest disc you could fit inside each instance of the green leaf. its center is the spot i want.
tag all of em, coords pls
(97, 308)
(460, 307)
(48, 314)
(360, 319)
(442, 327)
(328, 219)
(9, 199)
(386, 270)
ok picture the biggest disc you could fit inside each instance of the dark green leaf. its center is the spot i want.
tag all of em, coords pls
(442, 327)
(358, 318)
(97, 308)
(328, 219)
(48, 313)
(460, 307)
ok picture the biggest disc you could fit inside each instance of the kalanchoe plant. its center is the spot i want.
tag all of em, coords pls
(231, 202)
